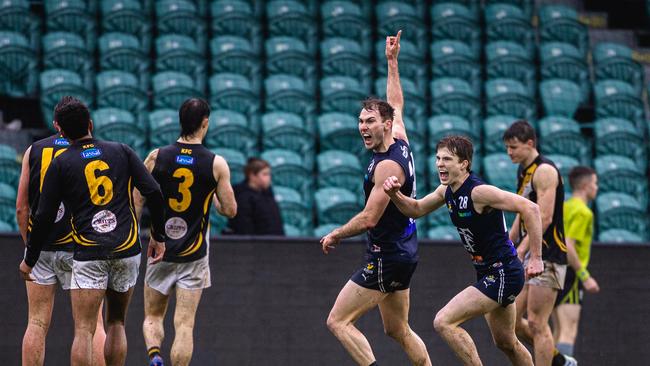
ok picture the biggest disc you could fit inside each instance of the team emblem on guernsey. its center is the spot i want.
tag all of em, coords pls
(60, 213)
(104, 221)
(184, 159)
(175, 228)
(91, 153)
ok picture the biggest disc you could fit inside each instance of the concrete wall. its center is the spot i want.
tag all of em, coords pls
(270, 298)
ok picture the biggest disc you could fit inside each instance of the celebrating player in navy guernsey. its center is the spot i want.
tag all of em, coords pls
(476, 209)
(391, 237)
(55, 264)
(94, 180)
(189, 176)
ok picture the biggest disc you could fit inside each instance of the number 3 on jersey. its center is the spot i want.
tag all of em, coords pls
(99, 187)
(183, 189)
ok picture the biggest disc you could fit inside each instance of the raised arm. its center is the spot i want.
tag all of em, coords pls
(224, 199)
(394, 94)
(411, 207)
(138, 199)
(486, 196)
(22, 199)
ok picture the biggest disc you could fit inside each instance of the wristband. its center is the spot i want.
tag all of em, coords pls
(583, 274)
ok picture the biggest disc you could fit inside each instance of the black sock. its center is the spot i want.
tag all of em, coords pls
(153, 352)
(558, 359)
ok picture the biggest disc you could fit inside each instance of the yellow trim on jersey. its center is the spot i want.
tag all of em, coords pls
(558, 241)
(133, 232)
(66, 239)
(79, 239)
(199, 241)
(528, 177)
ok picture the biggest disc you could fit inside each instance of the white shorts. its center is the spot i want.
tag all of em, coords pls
(53, 267)
(164, 276)
(117, 274)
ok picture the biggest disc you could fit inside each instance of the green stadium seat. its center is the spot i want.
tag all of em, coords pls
(281, 130)
(621, 211)
(560, 135)
(56, 84)
(341, 94)
(509, 97)
(417, 135)
(9, 165)
(233, 92)
(432, 172)
(293, 209)
(502, 172)
(472, 5)
(560, 97)
(18, 65)
(615, 98)
(127, 16)
(230, 129)
(455, 96)
(412, 63)
(621, 174)
(74, 16)
(620, 236)
(493, 129)
(526, 6)
(445, 232)
(6, 227)
(120, 51)
(564, 163)
(237, 18)
(560, 23)
(393, 16)
(64, 50)
(181, 17)
(15, 16)
(290, 169)
(234, 54)
(446, 125)
(338, 131)
(336, 205)
(289, 94)
(510, 60)
(121, 89)
(564, 61)
(175, 52)
(345, 19)
(293, 231)
(455, 59)
(337, 168)
(505, 22)
(617, 136)
(164, 127)
(415, 106)
(289, 55)
(345, 57)
(7, 203)
(171, 89)
(236, 162)
(614, 61)
(120, 125)
(439, 217)
(455, 21)
(287, 17)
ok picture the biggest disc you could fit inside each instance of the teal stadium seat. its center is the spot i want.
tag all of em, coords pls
(417, 135)
(564, 163)
(120, 51)
(164, 127)
(345, 57)
(493, 129)
(6, 227)
(414, 106)
(233, 92)
(560, 97)
(9, 165)
(15, 16)
(620, 236)
(74, 16)
(509, 97)
(621, 174)
(346, 19)
(621, 211)
(615, 98)
(617, 136)
(55, 84)
(127, 16)
(502, 172)
(293, 209)
(341, 94)
(564, 61)
(289, 55)
(236, 18)
(120, 125)
(447, 125)
(526, 6)
(472, 5)
(561, 135)
(181, 17)
(455, 21)
(412, 64)
(234, 54)
(455, 59)
(230, 129)
(236, 162)
(281, 130)
(175, 52)
(455, 96)
(120, 89)
(65, 50)
(337, 168)
(444, 232)
(614, 61)
(560, 23)
(287, 17)
(505, 22)
(18, 65)
(510, 60)
(7, 204)
(290, 169)
(336, 205)
(289, 94)
(171, 89)
(339, 131)
(393, 16)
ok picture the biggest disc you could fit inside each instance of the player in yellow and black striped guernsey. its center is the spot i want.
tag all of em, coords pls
(190, 176)
(94, 180)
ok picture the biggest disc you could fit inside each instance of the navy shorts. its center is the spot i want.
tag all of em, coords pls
(573, 290)
(501, 281)
(385, 276)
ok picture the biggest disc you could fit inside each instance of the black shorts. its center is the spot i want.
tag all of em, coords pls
(573, 290)
(501, 281)
(385, 276)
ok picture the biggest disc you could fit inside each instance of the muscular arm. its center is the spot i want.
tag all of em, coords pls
(138, 199)
(416, 208)
(572, 255)
(149, 189)
(376, 204)
(225, 197)
(394, 94)
(22, 199)
(545, 182)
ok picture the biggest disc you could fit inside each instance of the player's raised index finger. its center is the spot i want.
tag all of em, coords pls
(399, 34)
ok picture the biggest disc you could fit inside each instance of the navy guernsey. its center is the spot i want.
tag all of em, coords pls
(485, 235)
(395, 235)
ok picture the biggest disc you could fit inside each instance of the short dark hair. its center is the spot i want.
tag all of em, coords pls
(254, 166)
(386, 111)
(73, 117)
(578, 175)
(522, 131)
(460, 146)
(191, 115)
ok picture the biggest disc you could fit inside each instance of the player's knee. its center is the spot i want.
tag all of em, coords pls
(38, 324)
(333, 324)
(505, 344)
(397, 332)
(537, 326)
(440, 322)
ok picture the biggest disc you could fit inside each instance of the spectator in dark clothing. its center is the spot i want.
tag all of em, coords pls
(257, 211)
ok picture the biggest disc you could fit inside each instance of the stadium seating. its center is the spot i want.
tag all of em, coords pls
(290, 170)
(456, 97)
(564, 61)
(561, 135)
(7, 204)
(411, 63)
(120, 51)
(236, 162)
(455, 59)
(617, 136)
(176, 52)
(281, 130)
(165, 123)
(621, 174)
(345, 57)
(502, 172)
(394, 15)
(339, 131)
(336, 205)
(289, 55)
(614, 61)
(57, 83)
(18, 65)
(510, 60)
(236, 18)
(127, 16)
(287, 17)
(172, 88)
(506, 22)
(620, 236)
(446, 232)
(560, 23)
(615, 98)
(235, 54)
(120, 125)
(230, 129)
(508, 96)
(9, 165)
(341, 169)
(233, 92)
(346, 19)
(621, 211)
(295, 212)
(341, 94)
(73, 16)
(181, 17)
(288, 93)
(560, 97)
(121, 89)
(493, 129)
(65, 50)
(455, 21)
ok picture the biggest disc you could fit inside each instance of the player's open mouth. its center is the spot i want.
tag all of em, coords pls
(367, 139)
(443, 175)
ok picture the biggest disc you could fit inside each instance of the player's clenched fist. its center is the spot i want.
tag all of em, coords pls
(392, 185)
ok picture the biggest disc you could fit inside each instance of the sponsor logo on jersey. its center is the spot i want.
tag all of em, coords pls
(91, 153)
(184, 160)
(60, 213)
(104, 221)
(61, 142)
(465, 214)
(175, 228)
